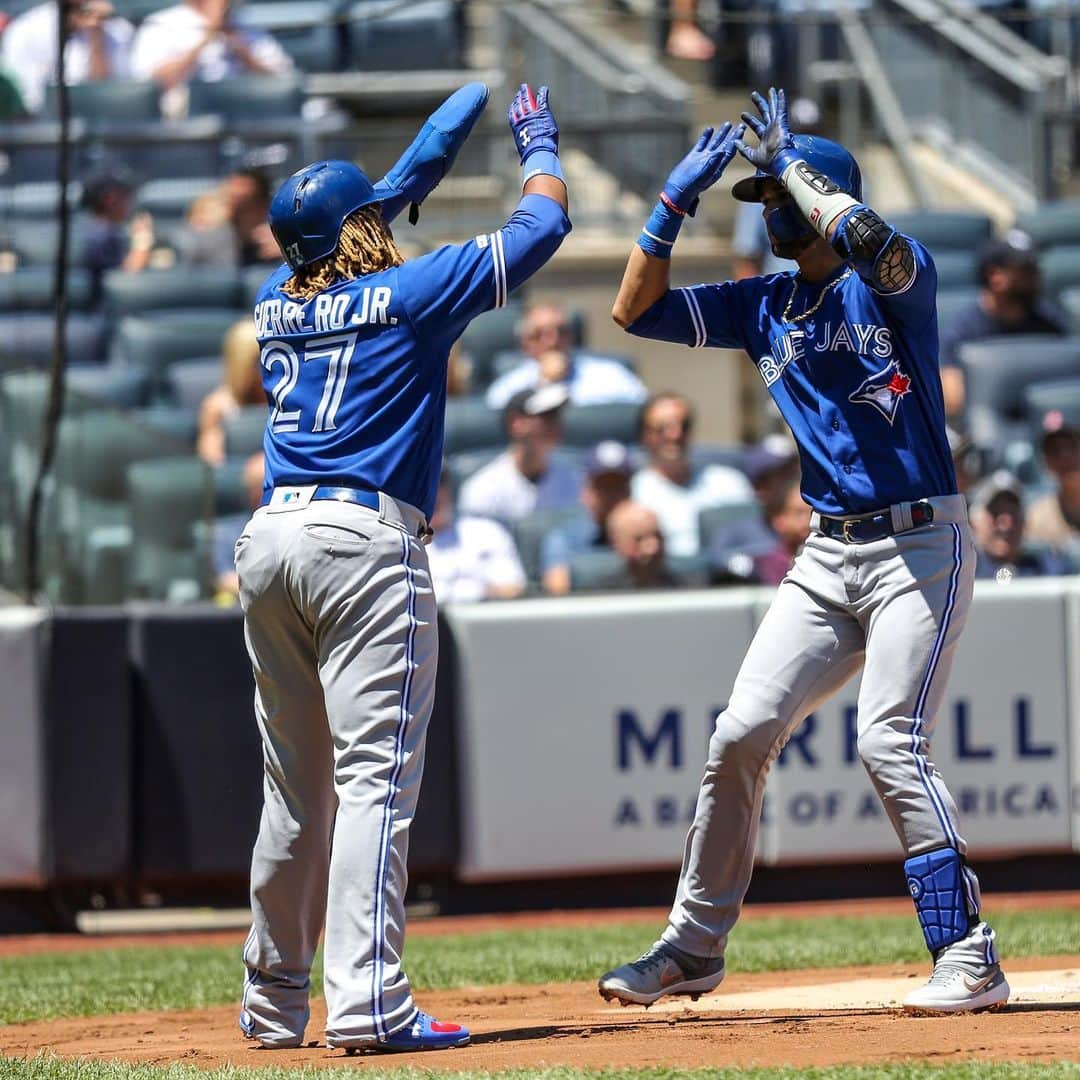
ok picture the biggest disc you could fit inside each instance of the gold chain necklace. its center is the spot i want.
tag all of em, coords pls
(787, 316)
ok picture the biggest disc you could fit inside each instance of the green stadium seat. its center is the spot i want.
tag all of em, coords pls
(711, 519)
(306, 29)
(945, 230)
(168, 498)
(587, 425)
(384, 35)
(1060, 268)
(180, 423)
(529, 535)
(955, 269)
(1052, 395)
(171, 197)
(31, 289)
(1070, 301)
(1052, 224)
(26, 340)
(470, 425)
(589, 569)
(157, 341)
(109, 101)
(189, 381)
(180, 287)
(249, 98)
(38, 199)
(487, 335)
(954, 302)
(244, 430)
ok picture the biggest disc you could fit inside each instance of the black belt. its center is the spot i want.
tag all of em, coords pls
(370, 499)
(875, 526)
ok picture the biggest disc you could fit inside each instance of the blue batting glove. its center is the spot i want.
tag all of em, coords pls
(775, 150)
(532, 122)
(701, 168)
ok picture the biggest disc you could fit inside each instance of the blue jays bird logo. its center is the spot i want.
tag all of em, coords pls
(884, 390)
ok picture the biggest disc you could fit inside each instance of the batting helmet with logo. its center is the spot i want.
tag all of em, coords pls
(307, 212)
(824, 155)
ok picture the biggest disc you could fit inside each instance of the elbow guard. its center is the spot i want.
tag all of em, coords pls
(881, 255)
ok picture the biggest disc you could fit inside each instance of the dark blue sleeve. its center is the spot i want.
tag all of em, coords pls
(696, 316)
(447, 288)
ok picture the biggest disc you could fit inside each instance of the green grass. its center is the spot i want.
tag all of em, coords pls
(44, 986)
(51, 1068)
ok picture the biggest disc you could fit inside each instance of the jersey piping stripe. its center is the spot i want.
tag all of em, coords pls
(931, 666)
(249, 981)
(378, 963)
(498, 259)
(695, 318)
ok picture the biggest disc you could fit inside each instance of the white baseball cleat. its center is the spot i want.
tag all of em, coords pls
(954, 989)
(664, 969)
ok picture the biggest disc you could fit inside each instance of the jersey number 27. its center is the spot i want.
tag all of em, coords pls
(337, 351)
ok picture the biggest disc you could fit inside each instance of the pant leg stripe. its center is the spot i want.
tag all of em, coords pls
(377, 965)
(931, 667)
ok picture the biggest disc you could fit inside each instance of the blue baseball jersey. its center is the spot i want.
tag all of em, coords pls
(857, 381)
(356, 376)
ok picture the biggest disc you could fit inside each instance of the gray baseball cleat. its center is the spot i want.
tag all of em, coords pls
(954, 989)
(664, 969)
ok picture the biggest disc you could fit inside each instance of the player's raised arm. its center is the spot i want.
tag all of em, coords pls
(887, 261)
(648, 271)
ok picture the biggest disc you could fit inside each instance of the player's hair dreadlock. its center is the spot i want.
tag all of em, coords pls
(365, 246)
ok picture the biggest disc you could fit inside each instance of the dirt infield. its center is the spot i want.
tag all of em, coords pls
(799, 1018)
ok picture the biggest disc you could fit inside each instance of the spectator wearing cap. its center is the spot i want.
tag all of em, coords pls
(997, 521)
(1054, 519)
(669, 484)
(228, 226)
(205, 41)
(637, 539)
(471, 558)
(114, 239)
(544, 336)
(1009, 302)
(607, 484)
(528, 475)
(98, 47)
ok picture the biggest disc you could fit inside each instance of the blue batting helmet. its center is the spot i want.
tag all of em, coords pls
(824, 155)
(308, 210)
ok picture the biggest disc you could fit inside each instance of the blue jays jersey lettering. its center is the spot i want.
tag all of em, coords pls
(857, 380)
(356, 376)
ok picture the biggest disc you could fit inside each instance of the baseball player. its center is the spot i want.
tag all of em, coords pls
(847, 346)
(334, 582)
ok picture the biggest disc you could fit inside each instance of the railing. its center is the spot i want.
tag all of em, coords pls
(628, 114)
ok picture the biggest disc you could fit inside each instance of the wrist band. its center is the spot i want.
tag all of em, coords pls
(661, 230)
(542, 162)
(671, 205)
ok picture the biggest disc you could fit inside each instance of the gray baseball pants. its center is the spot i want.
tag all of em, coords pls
(341, 631)
(894, 607)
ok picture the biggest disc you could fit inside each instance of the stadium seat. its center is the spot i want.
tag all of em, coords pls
(1070, 301)
(38, 199)
(306, 29)
(1060, 268)
(26, 340)
(230, 491)
(158, 340)
(690, 570)
(189, 381)
(177, 423)
(586, 425)
(252, 279)
(1052, 224)
(470, 424)
(171, 198)
(944, 230)
(137, 10)
(490, 333)
(711, 519)
(35, 241)
(1052, 395)
(702, 454)
(251, 99)
(168, 498)
(107, 385)
(462, 465)
(105, 102)
(589, 569)
(181, 287)
(954, 302)
(383, 35)
(997, 370)
(31, 289)
(955, 269)
(244, 430)
(529, 535)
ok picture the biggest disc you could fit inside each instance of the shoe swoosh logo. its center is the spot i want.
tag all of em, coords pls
(670, 975)
(978, 984)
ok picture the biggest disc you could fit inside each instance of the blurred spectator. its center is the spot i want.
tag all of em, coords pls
(526, 476)
(201, 40)
(228, 529)
(98, 48)
(228, 227)
(1009, 302)
(686, 40)
(788, 516)
(114, 240)
(752, 250)
(966, 458)
(637, 540)
(1054, 519)
(458, 372)
(242, 386)
(997, 521)
(669, 484)
(544, 336)
(471, 558)
(607, 484)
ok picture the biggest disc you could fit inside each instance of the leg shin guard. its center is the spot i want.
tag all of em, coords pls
(938, 886)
